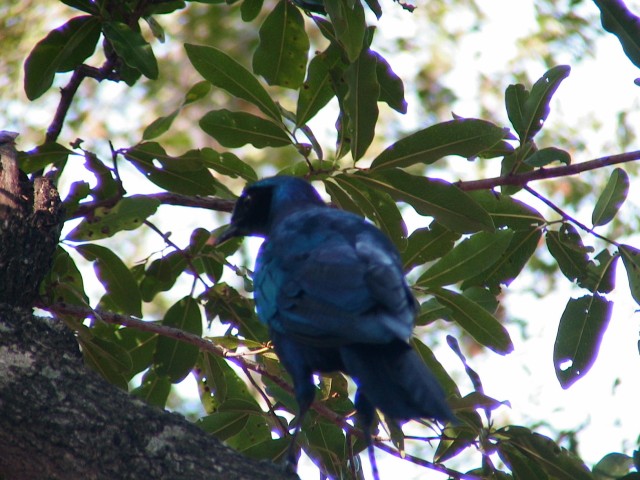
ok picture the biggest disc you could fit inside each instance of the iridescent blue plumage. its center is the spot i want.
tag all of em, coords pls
(330, 286)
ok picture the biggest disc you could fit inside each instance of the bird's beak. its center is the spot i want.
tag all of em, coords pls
(230, 232)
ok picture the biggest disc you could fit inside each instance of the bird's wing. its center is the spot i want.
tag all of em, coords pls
(328, 276)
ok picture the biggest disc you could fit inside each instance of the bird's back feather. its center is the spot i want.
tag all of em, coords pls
(327, 274)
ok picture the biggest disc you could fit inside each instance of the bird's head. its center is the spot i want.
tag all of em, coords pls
(265, 202)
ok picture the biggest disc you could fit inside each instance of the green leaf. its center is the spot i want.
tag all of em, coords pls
(483, 297)
(545, 156)
(156, 28)
(196, 92)
(45, 155)
(600, 277)
(506, 211)
(62, 50)
(77, 193)
(326, 445)
(611, 198)
(567, 248)
(528, 111)
(236, 129)
(106, 358)
(515, 97)
(427, 244)
(613, 465)
(459, 439)
(154, 389)
(255, 431)
(468, 258)
(619, 20)
(63, 282)
(522, 246)
(224, 72)
(476, 400)
(631, 262)
(318, 89)
(522, 467)
(281, 56)
(224, 385)
(391, 86)
(226, 163)
(477, 321)
(186, 174)
(139, 346)
(272, 449)
(467, 137)
(375, 7)
(115, 277)
(432, 310)
(444, 379)
(443, 201)
(162, 274)
(107, 186)
(250, 9)
(131, 46)
(84, 5)
(162, 8)
(236, 310)
(361, 102)
(174, 358)
(582, 326)
(349, 25)
(240, 423)
(223, 425)
(373, 204)
(127, 214)
(557, 462)
(159, 126)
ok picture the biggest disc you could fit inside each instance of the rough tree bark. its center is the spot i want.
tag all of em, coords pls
(59, 420)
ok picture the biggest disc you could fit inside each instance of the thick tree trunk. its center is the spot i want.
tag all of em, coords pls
(60, 420)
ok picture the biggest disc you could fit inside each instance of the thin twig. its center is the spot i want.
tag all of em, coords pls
(261, 392)
(566, 216)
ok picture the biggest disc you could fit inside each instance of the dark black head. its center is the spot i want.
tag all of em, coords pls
(264, 202)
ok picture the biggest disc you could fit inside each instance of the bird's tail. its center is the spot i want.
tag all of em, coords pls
(395, 380)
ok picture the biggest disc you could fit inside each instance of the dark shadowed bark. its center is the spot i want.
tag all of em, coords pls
(60, 420)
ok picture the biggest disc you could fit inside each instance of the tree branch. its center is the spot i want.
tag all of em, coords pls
(69, 91)
(165, 198)
(544, 173)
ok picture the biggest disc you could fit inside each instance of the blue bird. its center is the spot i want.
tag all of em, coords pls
(331, 289)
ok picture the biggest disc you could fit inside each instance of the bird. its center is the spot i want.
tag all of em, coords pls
(330, 287)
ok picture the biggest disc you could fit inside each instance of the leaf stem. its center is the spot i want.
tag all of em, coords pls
(566, 216)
